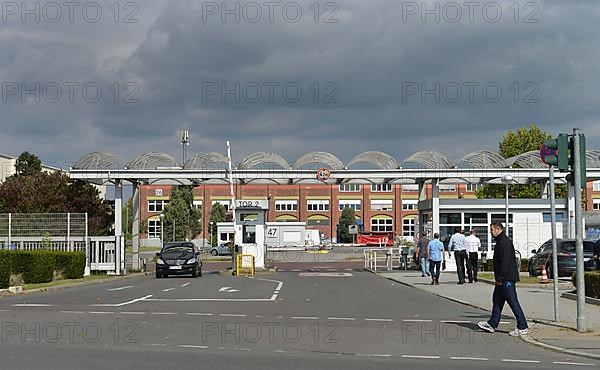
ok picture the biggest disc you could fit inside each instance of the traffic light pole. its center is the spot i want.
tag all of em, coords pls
(554, 246)
(581, 326)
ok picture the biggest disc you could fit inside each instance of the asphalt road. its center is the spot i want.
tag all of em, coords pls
(325, 316)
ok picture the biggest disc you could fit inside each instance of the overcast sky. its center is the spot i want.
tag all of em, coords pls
(352, 76)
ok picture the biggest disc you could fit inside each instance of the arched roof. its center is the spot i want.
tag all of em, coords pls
(482, 159)
(329, 159)
(380, 159)
(151, 161)
(259, 158)
(592, 159)
(204, 161)
(428, 159)
(97, 161)
(527, 160)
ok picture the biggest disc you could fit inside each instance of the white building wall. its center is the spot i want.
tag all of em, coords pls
(530, 231)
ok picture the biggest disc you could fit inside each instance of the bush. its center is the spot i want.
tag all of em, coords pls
(592, 283)
(4, 269)
(524, 264)
(40, 266)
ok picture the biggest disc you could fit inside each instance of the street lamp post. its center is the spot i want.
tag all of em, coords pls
(506, 179)
(162, 222)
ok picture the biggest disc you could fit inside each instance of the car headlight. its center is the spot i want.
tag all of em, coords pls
(190, 261)
(160, 262)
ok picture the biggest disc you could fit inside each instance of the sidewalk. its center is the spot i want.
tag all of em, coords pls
(537, 303)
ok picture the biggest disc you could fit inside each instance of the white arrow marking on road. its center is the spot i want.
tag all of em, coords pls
(227, 289)
(184, 285)
(122, 304)
(168, 289)
(121, 288)
(32, 305)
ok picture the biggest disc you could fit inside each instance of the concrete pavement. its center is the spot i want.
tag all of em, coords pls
(537, 303)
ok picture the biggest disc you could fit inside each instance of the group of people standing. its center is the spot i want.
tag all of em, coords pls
(432, 255)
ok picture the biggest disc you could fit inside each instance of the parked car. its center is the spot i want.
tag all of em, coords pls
(220, 250)
(566, 258)
(178, 258)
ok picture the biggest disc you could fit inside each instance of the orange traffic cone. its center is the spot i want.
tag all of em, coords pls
(544, 277)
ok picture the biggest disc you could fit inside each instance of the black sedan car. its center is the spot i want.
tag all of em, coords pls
(566, 258)
(178, 258)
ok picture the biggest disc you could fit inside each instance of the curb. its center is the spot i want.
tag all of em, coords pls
(588, 300)
(526, 339)
(562, 286)
(73, 285)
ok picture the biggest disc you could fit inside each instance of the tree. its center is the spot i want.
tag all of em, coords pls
(512, 144)
(56, 193)
(181, 218)
(346, 219)
(27, 164)
(218, 213)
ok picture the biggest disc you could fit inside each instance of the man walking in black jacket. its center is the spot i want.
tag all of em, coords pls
(506, 274)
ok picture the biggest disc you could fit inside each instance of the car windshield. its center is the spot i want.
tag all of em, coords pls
(178, 248)
(588, 247)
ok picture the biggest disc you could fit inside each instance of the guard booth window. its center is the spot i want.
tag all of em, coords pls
(249, 234)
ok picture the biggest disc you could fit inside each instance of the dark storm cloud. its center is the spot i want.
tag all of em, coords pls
(168, 70)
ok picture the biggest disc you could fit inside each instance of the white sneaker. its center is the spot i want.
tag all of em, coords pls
(518, 332)
(485, 326)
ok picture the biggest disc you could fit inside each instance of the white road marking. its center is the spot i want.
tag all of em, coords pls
(381, 355)
(198, 314)
(122, 304)
(384, 320)
(521, 361)
(121, 288)
(416, 320)
(132, 313)
(209, 300)
(305, 318)
(168, 289)
(32, 305)
(325, 274)
(232, 315)
(277, 289)
(244, 349)
(228, 289)
(191, 346)
(158, 345)
(342, 318)
(164, 313)
(78, 312)
(101, 312)
(421, 357)
(470, 358)
(572, 363)
(456, 321)
(184, 285)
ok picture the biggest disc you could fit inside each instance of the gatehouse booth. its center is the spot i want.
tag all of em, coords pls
(250, 216)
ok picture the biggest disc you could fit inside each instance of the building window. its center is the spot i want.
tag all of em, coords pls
(381, 188)
(317, 205)
(249, 235)
(410, 188)
(408, 227)
(317, 221)
(346, 188)
(352, 203)
(224, 203)
(596, 204)
(157, 205)
(382, 204)
(153, 229)
(472, 188)
(197, 204)
(286, 205)
(409, 205)
(382, 224)
(447, 188)
(596, 186)
(548, 218)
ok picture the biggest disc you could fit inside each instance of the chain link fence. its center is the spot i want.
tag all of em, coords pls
(54, 231)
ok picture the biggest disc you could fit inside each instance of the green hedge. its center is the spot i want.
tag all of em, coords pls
(489, 266)
(592, 283)
(40, 266)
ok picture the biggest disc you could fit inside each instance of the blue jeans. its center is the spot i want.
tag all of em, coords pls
(424, 265)
(435, 269)
(507, 292)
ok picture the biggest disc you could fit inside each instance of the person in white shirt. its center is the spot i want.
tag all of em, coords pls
(473, 244)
